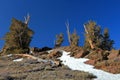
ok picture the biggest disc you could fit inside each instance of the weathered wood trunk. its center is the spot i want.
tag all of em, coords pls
(68, 32)
(89, 40)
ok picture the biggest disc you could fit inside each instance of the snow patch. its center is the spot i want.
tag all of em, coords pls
(9, 55)
(78, 64)
(18, 60)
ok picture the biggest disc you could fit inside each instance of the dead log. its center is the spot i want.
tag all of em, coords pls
(53, 63)
(26, 55)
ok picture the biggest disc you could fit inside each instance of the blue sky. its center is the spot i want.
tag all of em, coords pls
(48, 18)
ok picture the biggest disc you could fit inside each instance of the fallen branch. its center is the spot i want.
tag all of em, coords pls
(36, 58)
(26, 55)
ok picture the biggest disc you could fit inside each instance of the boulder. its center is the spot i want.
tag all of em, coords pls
(54, 54)
(79, 55)
(36, 49)
(82, 53)
(57, 63)
(91, 62)
(114, 54)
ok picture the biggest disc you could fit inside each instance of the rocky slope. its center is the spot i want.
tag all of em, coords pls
(35, 69)
(31, 69)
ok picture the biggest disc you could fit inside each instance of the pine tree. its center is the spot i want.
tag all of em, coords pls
(107, 43)
(74, 39)
(59, 40)
(92, 35)
(17, 40)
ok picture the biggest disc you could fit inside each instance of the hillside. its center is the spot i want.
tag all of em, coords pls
(21, 67)
(50, 65)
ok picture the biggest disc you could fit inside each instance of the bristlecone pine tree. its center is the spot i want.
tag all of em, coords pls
(98, 40)
(59, 40)
(74, 39)
(17, 40)
(93, 35)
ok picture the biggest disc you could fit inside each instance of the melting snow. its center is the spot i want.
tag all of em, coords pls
(78, 64)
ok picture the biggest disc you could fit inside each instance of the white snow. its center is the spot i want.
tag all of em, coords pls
(18, 60)
(78, 64)
(9, 55)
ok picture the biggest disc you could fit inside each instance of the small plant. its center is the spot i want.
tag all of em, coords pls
(59, 40)
(74, 38)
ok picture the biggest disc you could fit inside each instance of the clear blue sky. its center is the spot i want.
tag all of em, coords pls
(48, 18)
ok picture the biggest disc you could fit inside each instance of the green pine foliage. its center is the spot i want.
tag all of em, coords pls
(107, 43)
(98, 39)
(17, 40)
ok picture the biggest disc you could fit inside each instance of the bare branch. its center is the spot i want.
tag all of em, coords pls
(68, 31)
(85, 29)
(89, 40)
(27, 19)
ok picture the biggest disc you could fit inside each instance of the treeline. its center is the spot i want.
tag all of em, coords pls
(94, 37)
(18, 39)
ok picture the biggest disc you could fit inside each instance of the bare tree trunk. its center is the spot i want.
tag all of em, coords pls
(89, 40)
(68, 31)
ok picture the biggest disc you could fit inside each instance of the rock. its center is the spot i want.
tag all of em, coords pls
(98, 55)
(46, 48)
(36, 49)
(57, 63)
(30, 61)
(36, 69)
(114, 54)
(8, 78)
(117, 59)
(105, 55)
(81, 54)
(91, 62)
(42, 55)
(49, 68)
(68, 75)
(54, 54)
